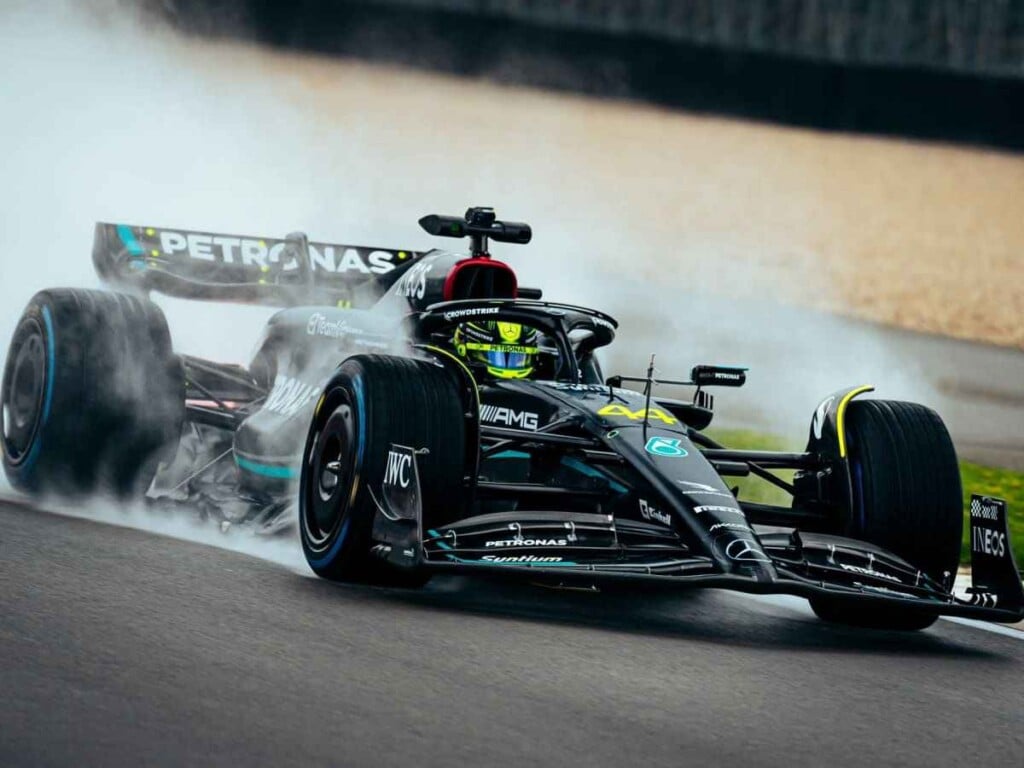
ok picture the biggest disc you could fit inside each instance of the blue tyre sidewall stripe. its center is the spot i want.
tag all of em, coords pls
(858, 494)
(51, 363)
(357, 386)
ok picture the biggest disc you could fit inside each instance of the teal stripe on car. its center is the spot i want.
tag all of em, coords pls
(268, 470)
(128, 238)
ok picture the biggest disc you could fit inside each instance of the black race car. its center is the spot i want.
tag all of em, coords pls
(424, 413)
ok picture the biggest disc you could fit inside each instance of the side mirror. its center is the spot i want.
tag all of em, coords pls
(718, 376)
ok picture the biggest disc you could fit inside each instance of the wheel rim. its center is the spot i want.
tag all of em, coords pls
(327, 493)
(24, 387)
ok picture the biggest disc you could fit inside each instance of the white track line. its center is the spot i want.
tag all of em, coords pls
(998, 629)
(801, 606)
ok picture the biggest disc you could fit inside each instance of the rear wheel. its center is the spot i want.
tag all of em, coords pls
(371, 402)
(92, 396)
(906, 499)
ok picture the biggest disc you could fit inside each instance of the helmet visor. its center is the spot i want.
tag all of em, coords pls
(508, 361)
(504, 357)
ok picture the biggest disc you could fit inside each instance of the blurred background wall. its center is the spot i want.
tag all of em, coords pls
(818, 258)
(949, 69)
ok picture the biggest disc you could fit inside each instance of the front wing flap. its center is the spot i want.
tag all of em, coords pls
(585, 548)
(590, 549)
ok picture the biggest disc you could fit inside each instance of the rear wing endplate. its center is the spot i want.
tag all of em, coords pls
(287, 271)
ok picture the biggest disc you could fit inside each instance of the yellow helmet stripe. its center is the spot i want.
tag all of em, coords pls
(513, 348)
(506, 373)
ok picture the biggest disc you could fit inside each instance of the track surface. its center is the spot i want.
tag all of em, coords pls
(121, 647)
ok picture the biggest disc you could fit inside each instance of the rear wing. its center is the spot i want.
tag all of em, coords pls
(285, 272)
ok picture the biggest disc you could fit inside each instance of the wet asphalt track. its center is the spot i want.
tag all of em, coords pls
(121, 647)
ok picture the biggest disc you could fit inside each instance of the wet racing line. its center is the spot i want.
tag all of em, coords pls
(121, 646)
(285, 551)
(801, 606)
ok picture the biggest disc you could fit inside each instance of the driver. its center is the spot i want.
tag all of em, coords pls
(507, 350)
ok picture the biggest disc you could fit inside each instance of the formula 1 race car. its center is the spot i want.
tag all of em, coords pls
(423, 413)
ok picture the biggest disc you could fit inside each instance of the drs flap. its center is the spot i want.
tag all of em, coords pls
(285, 271)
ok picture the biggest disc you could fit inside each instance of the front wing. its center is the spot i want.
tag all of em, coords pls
(570, 548)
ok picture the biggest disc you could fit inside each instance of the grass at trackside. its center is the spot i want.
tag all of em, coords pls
(991, 481)
(753, 488)
(1006, 485)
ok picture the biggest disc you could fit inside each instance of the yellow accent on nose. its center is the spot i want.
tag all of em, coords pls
(841, 415)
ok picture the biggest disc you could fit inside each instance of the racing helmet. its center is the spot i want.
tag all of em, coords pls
(507, 350)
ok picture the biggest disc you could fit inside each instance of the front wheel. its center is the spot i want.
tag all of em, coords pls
(372, 402)
(907, 499)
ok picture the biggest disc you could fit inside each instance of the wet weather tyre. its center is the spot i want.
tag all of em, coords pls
(907, 499)
(371, 402)
(92, 395)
